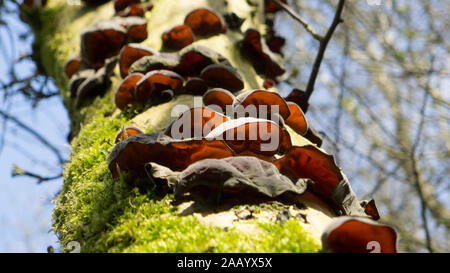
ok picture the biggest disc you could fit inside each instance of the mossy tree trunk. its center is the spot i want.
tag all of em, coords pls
(104, 215)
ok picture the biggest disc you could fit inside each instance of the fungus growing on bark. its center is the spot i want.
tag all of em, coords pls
(89, 83)
(299, 97)
(178, 37)
(214, 180)
(252, 48)
(133, 153)
(262, 98)
(125, 94)
(136, 28)
(72, 66)
(133, 10)
(359, 235)
(77, 79)
(251, 136)
(370, 208)
(330, 184)
(233, 21)
(270, 7)
(195, 86)
(313, 136)
(101, 41)
(126, 133)
(95, 84)
(218, 96)
(297, 120)
(204, 22)
(274, 42)
(195, 123)
(219, 75)
(268, 84)
(123, 4)
(130, 53)
(195, 58)
(166, 61)
(158, 85)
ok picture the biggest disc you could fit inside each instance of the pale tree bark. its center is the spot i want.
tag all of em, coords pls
(59, 37)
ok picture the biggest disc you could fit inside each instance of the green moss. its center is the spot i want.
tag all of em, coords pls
(126, 215)
(114, 216)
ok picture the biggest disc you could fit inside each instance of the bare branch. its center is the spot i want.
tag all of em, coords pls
(299, 19)
(35, 134)
(323, 45)
(18, 171)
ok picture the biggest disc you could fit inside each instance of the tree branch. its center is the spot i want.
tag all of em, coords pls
(323, 45)
(35, 134)
(18, 171)
(299, 19)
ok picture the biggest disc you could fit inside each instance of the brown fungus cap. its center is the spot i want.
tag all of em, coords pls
(125, 94)
(238, 178)
(270, 7)
(199, 122)
(72, 66)
(224, 76)
(218, 96)
(204, 22)
(359, 235)
(370, 208)
(268, 84)
(195, 58)
(251, 47)
(154, 83)
(178, 37)
(166, 61)
(262, 98)
(133, 10)
(251, 136)
(77, 79)
(329, 183)
(131, 53)
(195, 86)
(297, 120)
(101, 41)
(133, 153)
(313, 136)
(123, 4)
(126, 133)
(136, 27)
(233, 21)
(299, 97)
(96, 83)
(274, 42)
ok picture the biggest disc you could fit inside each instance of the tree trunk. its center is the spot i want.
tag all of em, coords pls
(104, 215)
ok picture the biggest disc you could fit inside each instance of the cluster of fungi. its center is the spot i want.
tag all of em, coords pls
(203, 161)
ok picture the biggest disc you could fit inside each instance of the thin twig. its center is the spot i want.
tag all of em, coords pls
(323, 45)
(298, 18)
(35, 134)
(18, 171)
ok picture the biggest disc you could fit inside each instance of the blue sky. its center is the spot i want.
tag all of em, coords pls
(25, 207)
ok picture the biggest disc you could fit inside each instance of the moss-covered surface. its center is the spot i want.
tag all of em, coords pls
(113, 216)
(104, 215)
